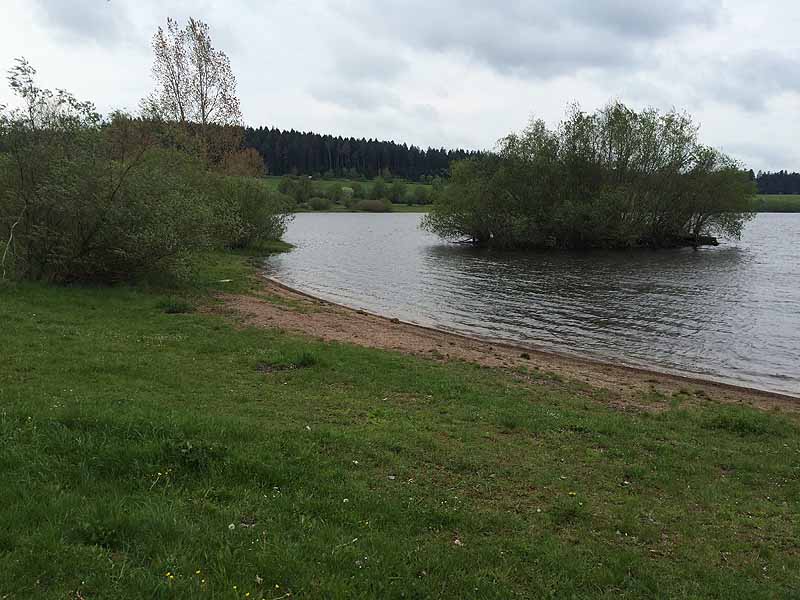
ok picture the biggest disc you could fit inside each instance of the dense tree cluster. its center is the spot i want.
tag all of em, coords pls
(613, 179)
(84, 198)
(295, 152)
(781, 182)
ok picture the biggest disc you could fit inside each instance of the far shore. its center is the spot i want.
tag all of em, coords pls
(280, 306)
(396, 208)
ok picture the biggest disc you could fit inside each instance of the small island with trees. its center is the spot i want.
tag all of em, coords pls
(613, 179)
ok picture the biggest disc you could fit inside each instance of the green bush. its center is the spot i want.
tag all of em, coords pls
(319, 203)
(396, 192)
(335, 193)
(421, 195)
(87, 200)
(374, 205)
(299, 188)
(245, 211)
(94, 219)
(612, 179)
(378, 190)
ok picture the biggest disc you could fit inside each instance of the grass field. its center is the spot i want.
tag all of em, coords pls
(397, 208)
(273, 181)
(150, 449)
(778, 203)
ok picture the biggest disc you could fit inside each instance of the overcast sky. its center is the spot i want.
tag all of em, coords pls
(447, 73)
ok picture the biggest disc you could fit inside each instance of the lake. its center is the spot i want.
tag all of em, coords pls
(730, 313)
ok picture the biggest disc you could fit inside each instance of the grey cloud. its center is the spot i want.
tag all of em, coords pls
(361, 75)
(363, 64)
(354, 96)
(750, 81)
(97, 21)
(754, 153)
(645, 19)
(371, 98)
(536, 39)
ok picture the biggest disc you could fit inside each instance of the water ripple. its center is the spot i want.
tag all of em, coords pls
(731, 312)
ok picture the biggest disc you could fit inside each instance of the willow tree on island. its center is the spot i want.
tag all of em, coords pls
(613, 179)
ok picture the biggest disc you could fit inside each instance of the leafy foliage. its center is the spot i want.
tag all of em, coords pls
(244, 163)
(246, 212)
(373, 205)
(319, 203)
(616, 178)
(87, 200)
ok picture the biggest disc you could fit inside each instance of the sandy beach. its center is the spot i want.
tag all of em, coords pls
(279, 306)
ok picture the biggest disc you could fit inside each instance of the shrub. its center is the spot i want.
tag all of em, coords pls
(246, 212)
(335, 193)
(84, 200)
(93, 219)
(396, 192)
(378, 190)
(421, 195)
(319, 203)
(612, 179)
(374, 205)
(298, 188)
(244, 163)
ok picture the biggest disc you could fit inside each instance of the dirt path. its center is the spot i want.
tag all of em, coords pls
(278, 306)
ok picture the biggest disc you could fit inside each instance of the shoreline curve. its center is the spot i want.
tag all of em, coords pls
(300, 312)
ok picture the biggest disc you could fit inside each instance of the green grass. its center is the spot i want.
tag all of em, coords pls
(272, 183)
(397, 208)
(777, 203)
(136, 443)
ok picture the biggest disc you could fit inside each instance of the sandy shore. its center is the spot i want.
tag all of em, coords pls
(278, 306)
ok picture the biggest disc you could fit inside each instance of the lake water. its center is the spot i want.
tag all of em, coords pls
(730, 313)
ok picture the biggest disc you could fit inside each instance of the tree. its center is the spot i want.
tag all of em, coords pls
(421, 195)
(616, 178)
(83, 199)
(378, 190)
(87, 199)
(244, 163)
(294, 152)
(396, 192)
(195, 88)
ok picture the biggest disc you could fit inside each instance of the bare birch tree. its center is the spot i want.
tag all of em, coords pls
(195, 87)
(172, 98)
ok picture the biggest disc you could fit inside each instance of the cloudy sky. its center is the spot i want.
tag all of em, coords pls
(447, 73)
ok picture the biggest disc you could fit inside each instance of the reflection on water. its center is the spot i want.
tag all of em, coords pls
(731, 312)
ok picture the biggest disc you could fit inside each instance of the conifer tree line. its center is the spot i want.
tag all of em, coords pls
(781, 182)
(306, 153)
(290, 152)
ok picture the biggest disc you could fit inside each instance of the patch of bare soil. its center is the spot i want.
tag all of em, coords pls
(278, 306)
